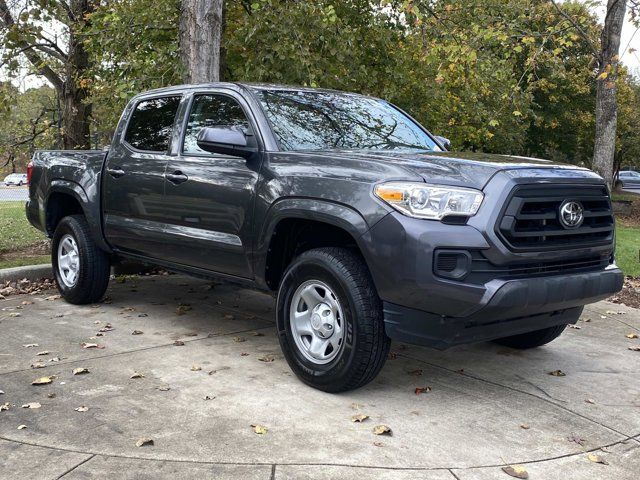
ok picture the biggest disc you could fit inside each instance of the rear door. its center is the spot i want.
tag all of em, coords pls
(133, 182)
(209, 197)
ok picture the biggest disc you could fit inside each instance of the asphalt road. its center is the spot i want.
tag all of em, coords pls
(488, 407)
(14, 194)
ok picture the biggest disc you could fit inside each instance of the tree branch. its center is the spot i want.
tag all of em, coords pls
(594, 50)
(7, 21)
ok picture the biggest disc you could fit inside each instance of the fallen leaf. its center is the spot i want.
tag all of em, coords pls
(259, 429)
(267, 358)
(144, 442)
(38, 365)
(54, 359)
(44, 352)
(51, 395)
(14, 314)
(1, 392)
(209, 397)
(80, 370)
(244, 354)
(196, 368)
(30, 345)
(516, 471)
(416, 373)
(558, 373)
(27, 302)
(142, 315)
(239, 339)
(91, 345)
(81, 409)
(420, 390)
(382, 430)
(378, 444)
(164, 388)
(137, 375)
(21, 427)
(525, 426)
(178, 343)
(589, 400)
(5, 406)
(52, 297)
(574, 326)
(182, 309)
(359, 418)
(31, 405)
(229, 317)
(392, 355)
(597, 459)
(631, 335)
(257, 334)
(635, 348)
(137, 332)
(42, 381)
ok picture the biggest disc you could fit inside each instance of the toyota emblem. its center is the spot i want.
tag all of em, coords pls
(571, 214)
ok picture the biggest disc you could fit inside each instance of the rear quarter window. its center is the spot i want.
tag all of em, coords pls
(151, 124)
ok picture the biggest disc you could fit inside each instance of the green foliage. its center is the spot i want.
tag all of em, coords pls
(16, 230)
(628, 249)
(134, 47)
(26, 123)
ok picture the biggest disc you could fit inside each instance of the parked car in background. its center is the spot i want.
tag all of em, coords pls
(13, 179)
(628, 179)
(358, 220)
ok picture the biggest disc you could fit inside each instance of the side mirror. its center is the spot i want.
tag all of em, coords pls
(225, 140)
(445, 142)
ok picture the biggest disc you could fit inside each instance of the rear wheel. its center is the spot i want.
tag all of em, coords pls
(533, 339)
(330, 323)
(80, 268)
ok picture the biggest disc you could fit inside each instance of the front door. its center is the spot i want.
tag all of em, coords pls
(134, 183)
(209, 197)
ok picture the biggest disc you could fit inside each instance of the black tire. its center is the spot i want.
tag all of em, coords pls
(533, 339)
(365, 345)
(94, 266)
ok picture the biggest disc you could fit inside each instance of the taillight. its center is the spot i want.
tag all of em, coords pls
(29, 172)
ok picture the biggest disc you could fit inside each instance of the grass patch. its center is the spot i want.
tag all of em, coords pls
(21, 262)
(15, 231)
(628, 249)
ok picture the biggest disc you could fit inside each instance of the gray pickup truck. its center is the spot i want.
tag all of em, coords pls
(352, 214)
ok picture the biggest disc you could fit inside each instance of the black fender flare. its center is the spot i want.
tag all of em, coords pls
(325, 211)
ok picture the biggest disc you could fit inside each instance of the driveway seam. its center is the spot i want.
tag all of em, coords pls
(490, 382)
(314, 464)
(126, 352)
(76, 466)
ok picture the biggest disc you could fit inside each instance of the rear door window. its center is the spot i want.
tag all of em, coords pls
(151, 124)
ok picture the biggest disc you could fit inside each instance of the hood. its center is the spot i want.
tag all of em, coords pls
(457, 168)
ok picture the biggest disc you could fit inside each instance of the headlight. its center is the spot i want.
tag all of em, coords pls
(434, 202)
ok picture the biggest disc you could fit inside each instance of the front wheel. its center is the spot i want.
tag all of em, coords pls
(330, 322)
(80, 268)
(533, 339)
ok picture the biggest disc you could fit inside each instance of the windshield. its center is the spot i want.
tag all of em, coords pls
(308, 120)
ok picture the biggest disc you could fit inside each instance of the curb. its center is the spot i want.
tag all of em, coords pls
(30, 272)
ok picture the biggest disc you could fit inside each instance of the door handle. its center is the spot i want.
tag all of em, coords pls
(116, 172)
(176, 177)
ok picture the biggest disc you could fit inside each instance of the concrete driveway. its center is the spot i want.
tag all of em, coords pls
(489, 406)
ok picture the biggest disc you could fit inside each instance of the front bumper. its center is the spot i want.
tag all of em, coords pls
(424, 308)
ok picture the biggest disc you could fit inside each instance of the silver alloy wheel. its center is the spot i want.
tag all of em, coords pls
(68, 260)
(317, 322)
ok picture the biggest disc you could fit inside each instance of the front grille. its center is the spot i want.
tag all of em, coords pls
(483, 271)
(531, 220)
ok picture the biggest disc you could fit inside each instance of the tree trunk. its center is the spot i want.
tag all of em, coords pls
(200, 38)
(606, 107)
(76, 111)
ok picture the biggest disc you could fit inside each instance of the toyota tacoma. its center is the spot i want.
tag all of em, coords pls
(358, 220)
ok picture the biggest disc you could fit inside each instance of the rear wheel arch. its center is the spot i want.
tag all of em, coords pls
(61, 203)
